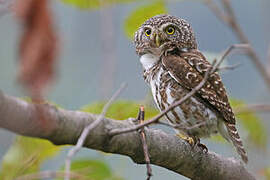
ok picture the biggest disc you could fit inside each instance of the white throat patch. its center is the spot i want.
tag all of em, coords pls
(148, 60)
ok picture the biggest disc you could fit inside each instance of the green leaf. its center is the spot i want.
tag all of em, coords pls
(92, 169)
(141, 14)
(120, 110)
(25, 156)
(252, 123)
(93, 4)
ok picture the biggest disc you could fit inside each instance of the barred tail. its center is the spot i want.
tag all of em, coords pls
(235, 138)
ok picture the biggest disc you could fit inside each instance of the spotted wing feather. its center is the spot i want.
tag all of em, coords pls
(189, 69)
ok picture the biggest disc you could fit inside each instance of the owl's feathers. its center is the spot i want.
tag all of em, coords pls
(188, 70)
(173, 67)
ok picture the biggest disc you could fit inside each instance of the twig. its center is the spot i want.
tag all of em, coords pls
(253, 108)
(233, 22)
(211, 5)
(230, 49)
(88, 128)
(155, 119)
(143, 140)
(232, 67)
(50, 175)
(268, 59)
(230, 19)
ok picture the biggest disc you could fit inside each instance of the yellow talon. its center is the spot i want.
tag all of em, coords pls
(190, 140)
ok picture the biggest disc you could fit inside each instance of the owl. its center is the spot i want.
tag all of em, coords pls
(173, 66)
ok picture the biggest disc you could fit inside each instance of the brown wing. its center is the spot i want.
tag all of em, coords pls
(188, 69)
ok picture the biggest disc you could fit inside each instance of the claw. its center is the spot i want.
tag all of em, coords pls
(193, 141)
(190, 140)
(204, 148)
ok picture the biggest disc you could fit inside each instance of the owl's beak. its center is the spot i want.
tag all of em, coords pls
(157, 40)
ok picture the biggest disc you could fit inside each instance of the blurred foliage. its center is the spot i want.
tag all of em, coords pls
(93, 4)
(252, 123)
(134, 20)
(141, 14)
(26, 156)
(218, 138)
(267, 173)
(121, 109)
(92, 169)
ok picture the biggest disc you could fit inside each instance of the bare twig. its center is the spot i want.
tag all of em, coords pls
(233, 22)
(50, 175)
(211, 5)
(155, 119)
(229, 18)
(87, 129)
(253, 107)
(232, 67)
(268, 60)
(145, 147)
(229, 50)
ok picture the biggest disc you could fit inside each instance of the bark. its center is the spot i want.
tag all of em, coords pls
(168, 151)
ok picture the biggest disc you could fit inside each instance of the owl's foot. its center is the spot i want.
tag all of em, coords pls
(193, 141)
(202, 146)
(190, 140)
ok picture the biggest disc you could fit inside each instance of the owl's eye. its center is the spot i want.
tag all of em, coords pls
(170, 30)
(148, 32)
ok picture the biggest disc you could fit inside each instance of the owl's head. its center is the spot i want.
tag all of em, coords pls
(164, 32)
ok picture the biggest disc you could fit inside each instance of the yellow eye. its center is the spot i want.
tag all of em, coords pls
(148, 32)
(170, 30)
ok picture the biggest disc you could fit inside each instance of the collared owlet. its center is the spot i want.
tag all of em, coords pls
(173, 66)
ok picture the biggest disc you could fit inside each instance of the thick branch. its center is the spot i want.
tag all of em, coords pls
(165, 150)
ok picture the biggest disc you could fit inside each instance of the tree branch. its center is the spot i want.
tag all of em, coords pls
(89, 128)
(165, 150)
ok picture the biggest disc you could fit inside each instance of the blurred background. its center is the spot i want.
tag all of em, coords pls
(97, 55)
